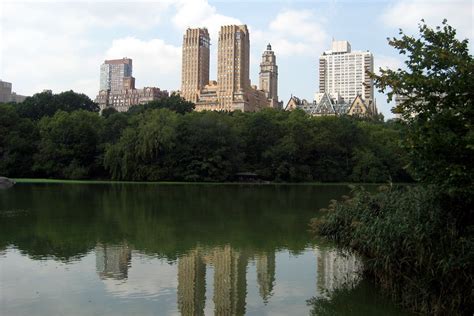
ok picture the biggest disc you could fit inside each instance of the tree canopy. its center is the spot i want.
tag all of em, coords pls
(437, 87)
(46, 104)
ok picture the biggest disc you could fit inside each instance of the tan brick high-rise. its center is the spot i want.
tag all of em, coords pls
(195, 63)
(269, 76)
(232, 90)
(233, 58)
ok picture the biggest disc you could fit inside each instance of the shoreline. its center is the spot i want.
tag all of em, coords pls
(67, 181)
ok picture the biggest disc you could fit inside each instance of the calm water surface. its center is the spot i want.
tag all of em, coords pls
(149, 249)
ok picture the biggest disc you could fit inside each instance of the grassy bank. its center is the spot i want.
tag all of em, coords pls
(417, 251)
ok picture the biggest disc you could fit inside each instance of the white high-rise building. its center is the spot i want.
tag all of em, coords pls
(344, 72)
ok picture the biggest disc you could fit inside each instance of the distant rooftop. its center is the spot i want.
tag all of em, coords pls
(124, 60)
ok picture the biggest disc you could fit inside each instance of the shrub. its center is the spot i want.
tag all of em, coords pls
(415, 250)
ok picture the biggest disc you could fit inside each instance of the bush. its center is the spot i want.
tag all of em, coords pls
(421, 254)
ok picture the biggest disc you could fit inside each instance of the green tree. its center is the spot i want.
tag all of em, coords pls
(69, 145)
(18, 138)
(173, 103)
(379, 157)
(142, 151)
(208, 147)
(438, 87)
(114, 124)
(334, 143)
(423, 233)
(46, 104)
(108, 112)
(259, 133)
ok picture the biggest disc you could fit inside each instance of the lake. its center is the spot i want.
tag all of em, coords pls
(175, 249)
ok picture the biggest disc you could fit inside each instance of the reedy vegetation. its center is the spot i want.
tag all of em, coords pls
(419, 241)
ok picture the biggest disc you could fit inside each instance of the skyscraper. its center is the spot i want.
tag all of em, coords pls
(344, 72)
(233, 57)
(116, 75)
(232, 90)
(269, 74)
(117, 87)
(195, 63)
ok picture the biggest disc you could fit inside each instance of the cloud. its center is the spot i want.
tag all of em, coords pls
(155, 63)
(406, 14)
(55, 44)
(199, 13)
(294, 32)
(384, 61)
(149, 279)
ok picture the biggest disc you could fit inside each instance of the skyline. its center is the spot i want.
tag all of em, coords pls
(150, 33)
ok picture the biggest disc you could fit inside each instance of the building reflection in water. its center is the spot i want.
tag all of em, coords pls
(230, 279)
(265, 274)
(192, 283)
(335, 270)
(112, 261)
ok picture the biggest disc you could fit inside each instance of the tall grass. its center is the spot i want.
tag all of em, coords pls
(415, 245)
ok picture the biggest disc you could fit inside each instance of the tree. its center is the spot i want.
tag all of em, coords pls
(173, 103)
(114, 124)
(46, 104)
(142, 151)
(438, 89)
(207, 147)
(108, 111)
(18, 138)
(69, 145)
(259, 133)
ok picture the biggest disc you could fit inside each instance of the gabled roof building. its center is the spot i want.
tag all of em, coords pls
(326, 104)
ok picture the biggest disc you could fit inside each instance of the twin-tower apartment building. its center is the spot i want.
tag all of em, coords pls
(232, 90)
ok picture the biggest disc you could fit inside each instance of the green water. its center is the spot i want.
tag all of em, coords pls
(155, 249)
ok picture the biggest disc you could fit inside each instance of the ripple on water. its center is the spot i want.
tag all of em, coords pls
(13, 213)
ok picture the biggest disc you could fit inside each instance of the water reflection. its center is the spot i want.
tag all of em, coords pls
(265, 274)
(173, 249)
(334, 270)
(192, 283)
(113, 261)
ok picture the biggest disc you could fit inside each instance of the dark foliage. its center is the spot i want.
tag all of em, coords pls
(174, 103)
(415, 250)
(46, 104)
(163, 140)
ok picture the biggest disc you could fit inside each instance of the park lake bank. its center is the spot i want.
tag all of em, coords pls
(131, 248)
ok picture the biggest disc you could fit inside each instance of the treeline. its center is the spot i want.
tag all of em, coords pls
(63, 136)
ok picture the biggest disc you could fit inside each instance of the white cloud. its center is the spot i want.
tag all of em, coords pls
(199, 13)
(155, 63)
(384, 61)
(53, 45)
(150, 279)
(294, 32)
(406, 14)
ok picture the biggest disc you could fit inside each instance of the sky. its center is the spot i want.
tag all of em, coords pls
(60, 45)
